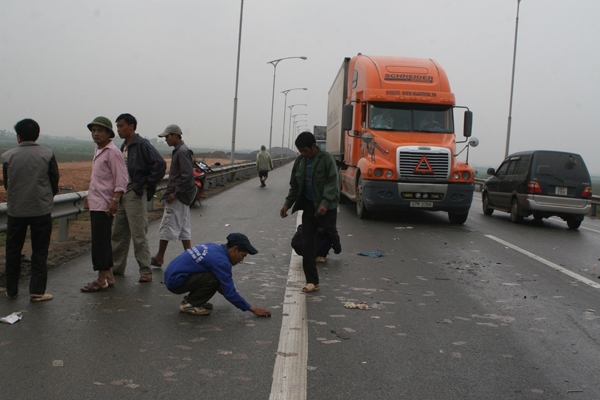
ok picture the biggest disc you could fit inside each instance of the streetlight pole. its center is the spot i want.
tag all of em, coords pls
(512, 83)
(274, 64)
(285, 92)
(237, 75)
(290, 127)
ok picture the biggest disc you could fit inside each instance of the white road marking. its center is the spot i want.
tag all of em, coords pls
(548, 263)
(289, 373)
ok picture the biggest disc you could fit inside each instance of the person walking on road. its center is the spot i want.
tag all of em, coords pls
(205, 270)
(177, 197)
(264, 164)
(30, 177)
(145, 169)
(313, 189)
(107, 185)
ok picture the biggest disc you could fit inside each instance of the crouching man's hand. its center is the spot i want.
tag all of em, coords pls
(260, 312)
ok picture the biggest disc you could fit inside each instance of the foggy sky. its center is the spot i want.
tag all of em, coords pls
(65, 62)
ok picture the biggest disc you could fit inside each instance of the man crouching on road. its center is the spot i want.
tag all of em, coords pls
(207, 268)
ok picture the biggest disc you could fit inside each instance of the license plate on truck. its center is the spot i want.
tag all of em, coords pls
(424, 204)
(561, 190)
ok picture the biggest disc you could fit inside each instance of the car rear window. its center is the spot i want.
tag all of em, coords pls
(564, 166)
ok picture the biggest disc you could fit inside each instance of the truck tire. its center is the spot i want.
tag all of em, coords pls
(361, 210)
(456, 218)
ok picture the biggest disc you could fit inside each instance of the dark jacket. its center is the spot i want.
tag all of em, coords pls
(30, 176)
(145, 166)
(324, 181)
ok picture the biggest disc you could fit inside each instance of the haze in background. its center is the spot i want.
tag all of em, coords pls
(66, 62)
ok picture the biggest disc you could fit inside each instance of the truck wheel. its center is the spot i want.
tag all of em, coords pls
(485, 202)
(573, 223)
(458, 219)
(515, 212)
(361, 210)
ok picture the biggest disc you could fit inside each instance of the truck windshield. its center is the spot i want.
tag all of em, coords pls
(410, 118)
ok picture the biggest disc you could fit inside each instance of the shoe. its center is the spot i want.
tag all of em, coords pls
(187, 308)
(93, 286)
(337, 246)
(155, 263)
(310, 288)
(321, 260)
(42, 297)
(145, 278)
(208, 306)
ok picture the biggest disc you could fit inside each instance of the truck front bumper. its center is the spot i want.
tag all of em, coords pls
(383, 195)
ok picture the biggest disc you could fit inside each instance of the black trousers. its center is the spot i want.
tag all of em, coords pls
(310, 225)
(41, 230)
(201, 287)
(102, 259)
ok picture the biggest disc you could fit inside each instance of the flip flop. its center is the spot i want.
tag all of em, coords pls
(93, 287)
(155, 263)
(310, 288)
(145, 278)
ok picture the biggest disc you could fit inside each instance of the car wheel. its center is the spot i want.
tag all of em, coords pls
(573, 223)
(361, 210)
(456, 218)
(515, 211)
(485, 202)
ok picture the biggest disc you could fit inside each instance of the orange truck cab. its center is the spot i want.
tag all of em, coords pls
(390, 127)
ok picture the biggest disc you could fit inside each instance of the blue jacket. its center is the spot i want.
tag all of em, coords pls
(208, 257)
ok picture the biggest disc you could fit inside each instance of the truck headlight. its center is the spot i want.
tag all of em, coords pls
(389, 174)
(466, 175)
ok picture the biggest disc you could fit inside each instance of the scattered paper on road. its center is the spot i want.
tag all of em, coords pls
(12, 318)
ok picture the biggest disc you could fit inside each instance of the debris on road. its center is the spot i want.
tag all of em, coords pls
(12, 318)
(372, 254)
(362, 305)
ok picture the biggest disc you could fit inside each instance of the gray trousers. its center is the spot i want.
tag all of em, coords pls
(131, 224)
(201, 287)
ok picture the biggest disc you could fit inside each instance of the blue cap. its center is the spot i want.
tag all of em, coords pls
(241, 239)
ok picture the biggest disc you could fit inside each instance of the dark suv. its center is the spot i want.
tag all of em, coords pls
(542, 184)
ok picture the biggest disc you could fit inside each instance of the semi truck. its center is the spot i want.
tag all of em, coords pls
(390, 127)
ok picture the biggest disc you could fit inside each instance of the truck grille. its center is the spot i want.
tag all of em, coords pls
(417, 164)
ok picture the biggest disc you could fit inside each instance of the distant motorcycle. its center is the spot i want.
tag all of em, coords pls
(200, 171)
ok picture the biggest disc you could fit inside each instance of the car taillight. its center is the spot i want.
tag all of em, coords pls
(587, 193)
(533, 187)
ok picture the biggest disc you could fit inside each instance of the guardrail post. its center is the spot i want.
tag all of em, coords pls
(63, 229)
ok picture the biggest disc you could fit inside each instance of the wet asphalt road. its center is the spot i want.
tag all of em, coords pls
(455, 314)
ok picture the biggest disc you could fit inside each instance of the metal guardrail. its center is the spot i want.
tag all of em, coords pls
(595, 198)
(67, 206)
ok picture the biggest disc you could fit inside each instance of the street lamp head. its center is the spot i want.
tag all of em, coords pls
(304, 58)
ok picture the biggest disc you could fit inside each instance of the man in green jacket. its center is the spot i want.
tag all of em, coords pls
(313, 189)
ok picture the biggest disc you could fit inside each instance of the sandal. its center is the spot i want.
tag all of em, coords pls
(145, 278)
(155, 263)
(93, 286)
(40, 297)
(310, 288)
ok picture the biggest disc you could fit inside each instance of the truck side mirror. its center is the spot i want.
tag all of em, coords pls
(347, 113)
(468, 124)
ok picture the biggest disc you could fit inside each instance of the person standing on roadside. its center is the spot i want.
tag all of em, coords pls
(264, 164)
(177, 197)
(107, 185)
(145, 168)
(30, 177)
(313, 189)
